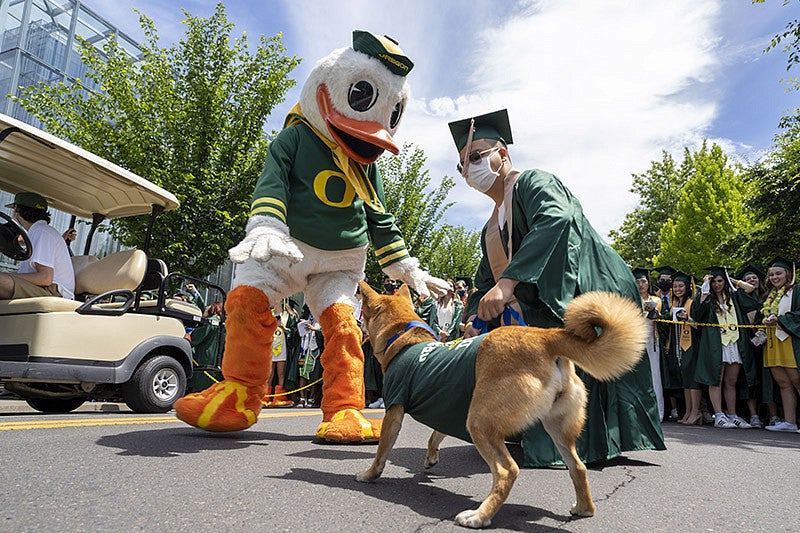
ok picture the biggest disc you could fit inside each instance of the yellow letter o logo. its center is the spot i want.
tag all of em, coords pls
(321, 184)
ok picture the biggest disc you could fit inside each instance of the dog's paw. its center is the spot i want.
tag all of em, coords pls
(582, 510)
(471, 519)
(432, 459)
(368, 476)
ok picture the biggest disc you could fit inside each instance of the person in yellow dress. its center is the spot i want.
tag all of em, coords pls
(782, 310)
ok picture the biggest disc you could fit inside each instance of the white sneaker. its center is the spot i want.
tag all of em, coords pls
(377, 404)
(774, 420)
(755, 421)
(739, 422)
(722, 421)
(783, 426)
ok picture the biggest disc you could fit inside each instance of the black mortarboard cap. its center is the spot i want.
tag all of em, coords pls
(717, 271)
(640, 273)
(682, 276)
(782, 262)
(747, 269)
(665, 270)
(494, 125)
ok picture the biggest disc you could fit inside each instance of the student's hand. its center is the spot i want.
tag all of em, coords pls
(494, 301)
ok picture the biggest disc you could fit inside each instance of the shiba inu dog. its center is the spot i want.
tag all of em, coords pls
(496, 385)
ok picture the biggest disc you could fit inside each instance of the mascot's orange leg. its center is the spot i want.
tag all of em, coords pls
(234, 404)
(343, 379)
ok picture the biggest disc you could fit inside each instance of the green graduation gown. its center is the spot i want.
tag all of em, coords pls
(556, 256)
(427, 312)
(709, 349)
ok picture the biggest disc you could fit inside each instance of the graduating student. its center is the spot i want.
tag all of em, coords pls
(539, 252)
(724, 351)
(782, 349)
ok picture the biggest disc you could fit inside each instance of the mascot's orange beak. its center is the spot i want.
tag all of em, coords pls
(361, 140)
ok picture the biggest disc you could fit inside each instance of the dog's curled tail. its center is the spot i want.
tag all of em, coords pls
(622, 334)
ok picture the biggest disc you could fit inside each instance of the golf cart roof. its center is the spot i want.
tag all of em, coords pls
(73, 180)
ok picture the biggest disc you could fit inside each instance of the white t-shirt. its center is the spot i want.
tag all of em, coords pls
(50, 250)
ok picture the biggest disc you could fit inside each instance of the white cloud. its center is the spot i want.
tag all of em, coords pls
(595, 90)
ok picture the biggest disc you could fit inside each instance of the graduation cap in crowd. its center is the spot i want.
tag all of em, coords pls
(716, 270)
(782, 262)
(665, 270)
(640, 272)
(688, 279)
(494, 125)
(750, 269)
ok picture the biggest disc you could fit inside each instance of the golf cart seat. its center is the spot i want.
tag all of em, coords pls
(157, 272)
(122, 270)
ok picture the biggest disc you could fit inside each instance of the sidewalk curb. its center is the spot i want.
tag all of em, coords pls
(10, 406)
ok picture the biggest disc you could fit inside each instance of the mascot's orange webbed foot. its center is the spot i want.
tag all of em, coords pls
(225, 406)
(349, 426)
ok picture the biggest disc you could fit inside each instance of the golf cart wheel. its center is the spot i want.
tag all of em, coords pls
(55, 405)
(155, 385)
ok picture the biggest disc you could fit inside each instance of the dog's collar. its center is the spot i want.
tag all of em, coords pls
(411, 325)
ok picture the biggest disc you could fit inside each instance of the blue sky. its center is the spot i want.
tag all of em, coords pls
(595, 90)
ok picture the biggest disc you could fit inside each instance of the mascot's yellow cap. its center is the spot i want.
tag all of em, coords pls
(384, 49)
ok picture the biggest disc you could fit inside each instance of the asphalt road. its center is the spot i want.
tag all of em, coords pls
(99, 470)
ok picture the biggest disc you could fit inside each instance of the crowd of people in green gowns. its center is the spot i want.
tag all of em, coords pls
(724, 349)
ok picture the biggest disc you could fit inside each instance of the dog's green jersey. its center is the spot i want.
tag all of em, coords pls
(434, 383)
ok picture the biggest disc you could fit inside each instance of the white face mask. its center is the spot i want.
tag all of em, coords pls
(481, 177)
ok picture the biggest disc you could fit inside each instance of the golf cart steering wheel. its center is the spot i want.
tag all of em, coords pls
(14, 240)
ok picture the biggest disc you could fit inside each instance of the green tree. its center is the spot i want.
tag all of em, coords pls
(417, 210)
(710, 210)
(791, 39)
(458, 255)
(775, 201)
(638, 239)
(188, 118)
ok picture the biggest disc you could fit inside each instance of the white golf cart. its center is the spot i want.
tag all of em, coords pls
(111, 341)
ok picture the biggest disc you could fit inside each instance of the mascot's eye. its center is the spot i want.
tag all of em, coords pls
(362, 95)
(396, 114)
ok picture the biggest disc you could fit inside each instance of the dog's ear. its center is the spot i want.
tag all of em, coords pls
(366, 291)
(405, 293)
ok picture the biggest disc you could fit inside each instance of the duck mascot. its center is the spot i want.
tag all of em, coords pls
(317, 205)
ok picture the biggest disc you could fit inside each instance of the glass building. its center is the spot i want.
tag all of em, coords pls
(38, 43)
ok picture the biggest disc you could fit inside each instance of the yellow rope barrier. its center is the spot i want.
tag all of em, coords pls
(705, 325)
(215, 380)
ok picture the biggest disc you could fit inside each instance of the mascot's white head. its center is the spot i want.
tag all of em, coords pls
(356, 96)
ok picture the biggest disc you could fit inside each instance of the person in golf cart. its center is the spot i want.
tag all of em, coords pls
(49, 271)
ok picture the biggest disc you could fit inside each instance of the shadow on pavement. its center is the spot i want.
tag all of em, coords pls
(172, 442)
(430, 501)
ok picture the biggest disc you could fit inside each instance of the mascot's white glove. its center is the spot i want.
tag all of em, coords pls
(408, 271)
(265, 237)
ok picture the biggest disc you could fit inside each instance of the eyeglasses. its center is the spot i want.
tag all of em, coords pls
(475, 157)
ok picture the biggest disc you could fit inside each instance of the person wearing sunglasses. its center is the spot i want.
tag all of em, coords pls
(539, 252)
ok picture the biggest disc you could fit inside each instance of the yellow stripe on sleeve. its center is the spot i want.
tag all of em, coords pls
(383, 260)
(269, 210)
(400, 243)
